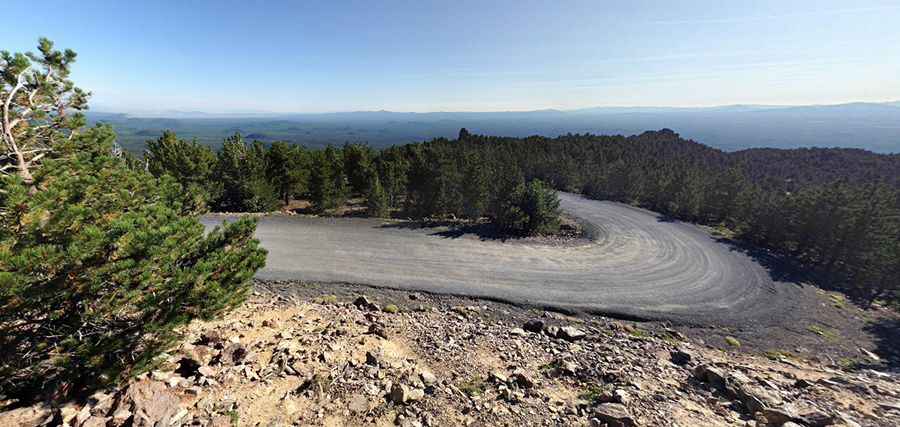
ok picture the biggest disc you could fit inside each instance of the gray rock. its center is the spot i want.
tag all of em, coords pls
(401, 394)
(31, 416)
(427, 378)
(680, 357)
(150, 402)
(614, 415)
(570, 333)
(535, 325)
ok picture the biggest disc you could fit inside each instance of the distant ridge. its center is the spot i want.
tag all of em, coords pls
(873, 126)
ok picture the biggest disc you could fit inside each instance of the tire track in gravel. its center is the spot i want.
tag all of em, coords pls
(638, 265)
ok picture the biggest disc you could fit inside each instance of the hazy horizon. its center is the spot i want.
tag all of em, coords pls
(343, 56)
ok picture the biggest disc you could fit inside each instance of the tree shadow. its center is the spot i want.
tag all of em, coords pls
(484, 231)
(780, 268)
(886, 334)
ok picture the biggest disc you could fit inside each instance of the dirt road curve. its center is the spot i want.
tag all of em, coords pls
(639, 264)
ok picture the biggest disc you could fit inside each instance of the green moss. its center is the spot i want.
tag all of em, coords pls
(827, 333)
(391, 308)
(732, 341)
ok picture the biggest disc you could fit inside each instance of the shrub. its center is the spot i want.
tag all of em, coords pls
(99, 264)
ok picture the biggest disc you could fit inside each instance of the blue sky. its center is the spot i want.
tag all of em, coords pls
(316, 56)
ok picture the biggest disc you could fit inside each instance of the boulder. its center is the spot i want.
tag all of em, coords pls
(401, 394)
(680, 357)
(31, 416)
(535, 325)
(150, 403)
(614, 415)
(570, 333)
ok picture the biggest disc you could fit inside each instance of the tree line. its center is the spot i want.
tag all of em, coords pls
(833, 211)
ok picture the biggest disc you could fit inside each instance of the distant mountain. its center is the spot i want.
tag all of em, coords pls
(870, 126)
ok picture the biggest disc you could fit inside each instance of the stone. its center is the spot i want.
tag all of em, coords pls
(121, 416)
(570, 333)
(427, 378)
(551, 331)
(522, 380)
(363, 303)
(499, 377)
(207, 371)
(816, 418)
(401, 394)
(150, 402)
(517, 332)
(359, 404)
(535, 326)
(680, 357)
(777, 416)
(233, 354)
(614, 415)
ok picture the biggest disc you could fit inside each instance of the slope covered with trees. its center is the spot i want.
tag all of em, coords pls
(834, 211)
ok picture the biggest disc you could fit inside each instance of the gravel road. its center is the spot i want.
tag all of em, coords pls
(638, 264)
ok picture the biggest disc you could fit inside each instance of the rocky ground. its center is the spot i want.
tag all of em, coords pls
(296, 355)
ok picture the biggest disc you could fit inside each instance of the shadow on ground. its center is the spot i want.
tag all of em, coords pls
(455, 230)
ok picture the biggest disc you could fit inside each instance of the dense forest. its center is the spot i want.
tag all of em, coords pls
(832, 211)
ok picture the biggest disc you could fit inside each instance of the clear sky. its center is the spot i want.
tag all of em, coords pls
(460, 55)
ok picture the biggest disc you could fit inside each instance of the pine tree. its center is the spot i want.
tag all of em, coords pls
(328, 185)
(377, 199)
(101, 265)
(190, 163)
(241, 170)
(285, 170)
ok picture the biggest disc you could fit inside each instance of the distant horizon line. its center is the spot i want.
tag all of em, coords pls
(611, 108)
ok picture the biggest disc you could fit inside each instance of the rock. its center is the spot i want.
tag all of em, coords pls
(67, 413)
(499, 377)
(816, 418)
(150, 402)
(363, 303)
(401, 394)
(790, 424)
(713, 376)
(737, 386)
(777, 416)
(371, 359)
(551, 331)
(233, 354)
(517, 332)
(31, 416)
(121, 417)
(207, 371)
(427, 378)
(377, 330)
(614, 415)
(570, 333)
(535, 325)
(680, 357)
(358, 404)
(522, 380)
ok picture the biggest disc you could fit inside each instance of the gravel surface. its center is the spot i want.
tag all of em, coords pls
(639, 264)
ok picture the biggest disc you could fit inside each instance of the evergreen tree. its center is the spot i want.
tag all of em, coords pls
(358, 166)
(285, 169)
(241, 170)
(328, 185)
(190, 163)
(377, 199)
(41, 108)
